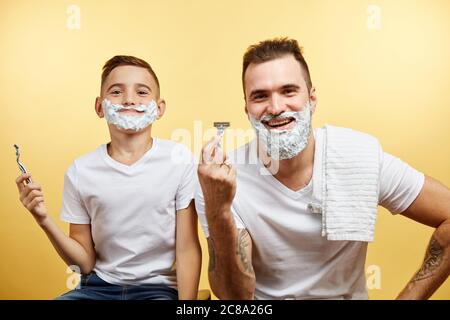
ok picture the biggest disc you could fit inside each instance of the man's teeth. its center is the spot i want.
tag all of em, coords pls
(278, 123)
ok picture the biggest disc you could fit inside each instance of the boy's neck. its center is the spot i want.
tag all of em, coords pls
(129, 148)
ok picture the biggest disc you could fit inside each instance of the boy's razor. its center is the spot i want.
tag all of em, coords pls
(21, 166)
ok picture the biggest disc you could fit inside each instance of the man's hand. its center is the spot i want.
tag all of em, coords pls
(230, 269)
(32, 197)
(217, 178)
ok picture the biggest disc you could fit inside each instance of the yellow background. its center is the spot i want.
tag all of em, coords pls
(392, 83)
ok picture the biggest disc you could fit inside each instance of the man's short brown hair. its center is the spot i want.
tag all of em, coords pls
(117, 61)
(272, 49)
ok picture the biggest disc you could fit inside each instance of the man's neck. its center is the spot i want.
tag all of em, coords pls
(295, 173)
(129, 148)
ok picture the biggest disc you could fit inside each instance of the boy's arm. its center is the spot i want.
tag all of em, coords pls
(78, 249)
(188, 253)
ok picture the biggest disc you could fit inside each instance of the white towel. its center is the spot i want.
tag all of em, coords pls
(350, 168)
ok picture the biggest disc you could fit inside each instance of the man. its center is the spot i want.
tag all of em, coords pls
(289, 215)
(130, 202)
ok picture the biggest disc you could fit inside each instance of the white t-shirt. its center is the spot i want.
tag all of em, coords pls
(291, 259)
(132, 210)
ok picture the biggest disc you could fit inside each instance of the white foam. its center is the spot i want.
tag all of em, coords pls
(285, 144)
(130, 122)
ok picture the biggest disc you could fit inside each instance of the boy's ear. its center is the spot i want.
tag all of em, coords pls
(161, 104)
(98, 107)
(313, 99)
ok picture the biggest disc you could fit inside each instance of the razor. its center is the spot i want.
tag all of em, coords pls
(21, 166)
(221, 126)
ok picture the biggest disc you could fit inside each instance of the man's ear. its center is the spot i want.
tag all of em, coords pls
(161, 104)
(313, 99)
(245, 106)
(98, 107)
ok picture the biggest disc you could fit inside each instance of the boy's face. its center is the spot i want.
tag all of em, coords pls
(129, 86)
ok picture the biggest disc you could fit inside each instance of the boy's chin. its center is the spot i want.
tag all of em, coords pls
(128, 131)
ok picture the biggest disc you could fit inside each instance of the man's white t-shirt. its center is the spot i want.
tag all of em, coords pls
(132, 210)
(290, 257)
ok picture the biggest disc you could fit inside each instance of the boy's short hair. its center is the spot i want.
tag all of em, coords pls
(117, 61)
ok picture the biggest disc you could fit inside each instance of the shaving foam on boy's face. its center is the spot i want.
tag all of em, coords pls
(144, 116)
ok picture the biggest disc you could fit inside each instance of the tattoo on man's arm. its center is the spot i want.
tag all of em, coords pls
(433, 259)
(242, 251)
(212, 255)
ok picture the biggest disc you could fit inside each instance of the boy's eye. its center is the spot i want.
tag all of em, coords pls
(115, 92)
(143, 92)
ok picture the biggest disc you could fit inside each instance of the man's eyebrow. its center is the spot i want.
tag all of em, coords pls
(257, 91)
(284, 87)
(290, 86)
(123, 85)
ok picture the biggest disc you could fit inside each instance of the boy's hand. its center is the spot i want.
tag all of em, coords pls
(32, 197)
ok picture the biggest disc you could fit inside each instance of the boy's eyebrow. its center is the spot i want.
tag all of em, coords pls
(123, 84)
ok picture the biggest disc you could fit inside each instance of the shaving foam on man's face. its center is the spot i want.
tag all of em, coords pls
(144, 116)
(282, 144)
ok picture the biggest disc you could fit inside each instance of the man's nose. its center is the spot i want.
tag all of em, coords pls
(275, 106)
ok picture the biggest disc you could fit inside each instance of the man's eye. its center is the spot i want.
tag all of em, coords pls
(143, 92)
(289, 92)
(115, 92)
(259, 97)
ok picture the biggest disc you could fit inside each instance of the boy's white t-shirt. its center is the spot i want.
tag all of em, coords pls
(290, 257)
(132, 210)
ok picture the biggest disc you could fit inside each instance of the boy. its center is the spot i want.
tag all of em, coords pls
(129, 203)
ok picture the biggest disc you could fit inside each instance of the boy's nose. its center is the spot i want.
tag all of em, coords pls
(129, 99)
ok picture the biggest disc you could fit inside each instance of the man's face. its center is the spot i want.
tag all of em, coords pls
(274, 87)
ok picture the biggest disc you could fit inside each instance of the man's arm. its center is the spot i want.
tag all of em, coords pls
(188, 253)
(230, 269)
(230, 273)
(432, 208)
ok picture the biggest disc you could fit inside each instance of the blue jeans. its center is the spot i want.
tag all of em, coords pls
(92, 287)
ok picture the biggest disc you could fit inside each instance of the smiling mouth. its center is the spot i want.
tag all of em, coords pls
(131, 111)
(280, 123)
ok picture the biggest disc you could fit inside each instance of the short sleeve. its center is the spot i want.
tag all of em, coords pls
(73, 209)
(200, 207)
(186, 188)
(400, 184)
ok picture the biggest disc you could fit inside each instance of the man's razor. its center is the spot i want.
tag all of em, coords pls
(221, 126)
(21, 166)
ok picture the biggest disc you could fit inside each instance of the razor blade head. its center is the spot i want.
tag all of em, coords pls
(17, 151)
(221, 126)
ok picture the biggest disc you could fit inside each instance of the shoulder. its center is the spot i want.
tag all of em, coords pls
(169, 145)
(347, 133)
(86, 160)
(176, 152)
